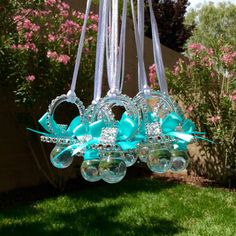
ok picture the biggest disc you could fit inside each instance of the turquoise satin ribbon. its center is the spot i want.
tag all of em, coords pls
(176, 126)
(75, 129)
(127, 127)
(173, 125)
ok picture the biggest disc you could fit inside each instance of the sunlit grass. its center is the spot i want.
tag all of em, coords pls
(134, 207)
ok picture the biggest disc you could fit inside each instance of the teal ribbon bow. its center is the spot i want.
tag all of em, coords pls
(174, 126)
(127, 127)
(75, 129)
(183, 129)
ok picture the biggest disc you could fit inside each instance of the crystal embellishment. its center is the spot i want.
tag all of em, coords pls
(108, 136)
(153, 129)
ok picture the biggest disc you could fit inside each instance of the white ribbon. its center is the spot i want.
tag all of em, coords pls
(157, 54)
(114, 45)
(121, 57)
(71, 93)
(159, 65)
(102, 28)
(140, 8)
(143, 85)
(116, 55)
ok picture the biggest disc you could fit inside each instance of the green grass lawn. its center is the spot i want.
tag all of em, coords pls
(134, 207)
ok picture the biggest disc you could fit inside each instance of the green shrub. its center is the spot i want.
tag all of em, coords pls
(40, 49)
(206, 85)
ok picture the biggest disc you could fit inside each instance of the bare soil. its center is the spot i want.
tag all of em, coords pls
(183, 177)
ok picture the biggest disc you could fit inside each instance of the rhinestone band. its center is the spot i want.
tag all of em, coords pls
(153, 129)
(108, 136)
(56, 102)
(66, 141)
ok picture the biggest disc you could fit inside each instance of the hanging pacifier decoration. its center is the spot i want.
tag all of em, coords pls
(64, 136)
(166, 131)
(114, 141)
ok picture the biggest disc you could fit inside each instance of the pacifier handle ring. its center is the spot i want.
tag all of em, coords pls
(141, 97)
(59, 100)
(118, 100)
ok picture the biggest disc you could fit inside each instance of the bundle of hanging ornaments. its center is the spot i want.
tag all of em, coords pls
(152, 128)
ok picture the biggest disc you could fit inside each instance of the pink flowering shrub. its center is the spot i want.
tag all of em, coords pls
(206, 84)
(44, 50)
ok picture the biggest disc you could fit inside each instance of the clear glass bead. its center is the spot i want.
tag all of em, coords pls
(158, 160)
(64, 160)
(142, 153)
(179, 160)
(90, 170)
(112, 168)
(129, 158)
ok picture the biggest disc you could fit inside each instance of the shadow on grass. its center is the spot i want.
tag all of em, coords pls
(26, 196)
(101, 190)
(93, 216)
(91, 221)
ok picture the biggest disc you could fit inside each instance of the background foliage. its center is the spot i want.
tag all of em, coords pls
(170, 16)
(206, 82)
(215, 25)
(39, 48)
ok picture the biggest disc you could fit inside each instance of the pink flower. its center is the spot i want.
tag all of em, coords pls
(212, 75)
(82, 16)
(20, 46)
(214, 119)
(206, 61)
(17, 18)
(52, 55)
(190, 108)
(63, 59)
(210, 51)
(93, 17)
(28, 36)
(86, 50)
(94, 27)
(26, 11)
(128, 78)
(51, 38)
(191, 65)
(36, 13)
(228, 58)
(233, 96)
(196, 46)
(50, 2)
(13, 46)
(35, 27)
(90, 39)
(28, 25)
(64, 13)
(65, 6)
(70, 27)
(30, 46)
(176, 70)
(226, 49)
(19, 26)
(152, 68)
(152, 75)
(44, 13)
(152, 72)
(66, 41)
(30, 78)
